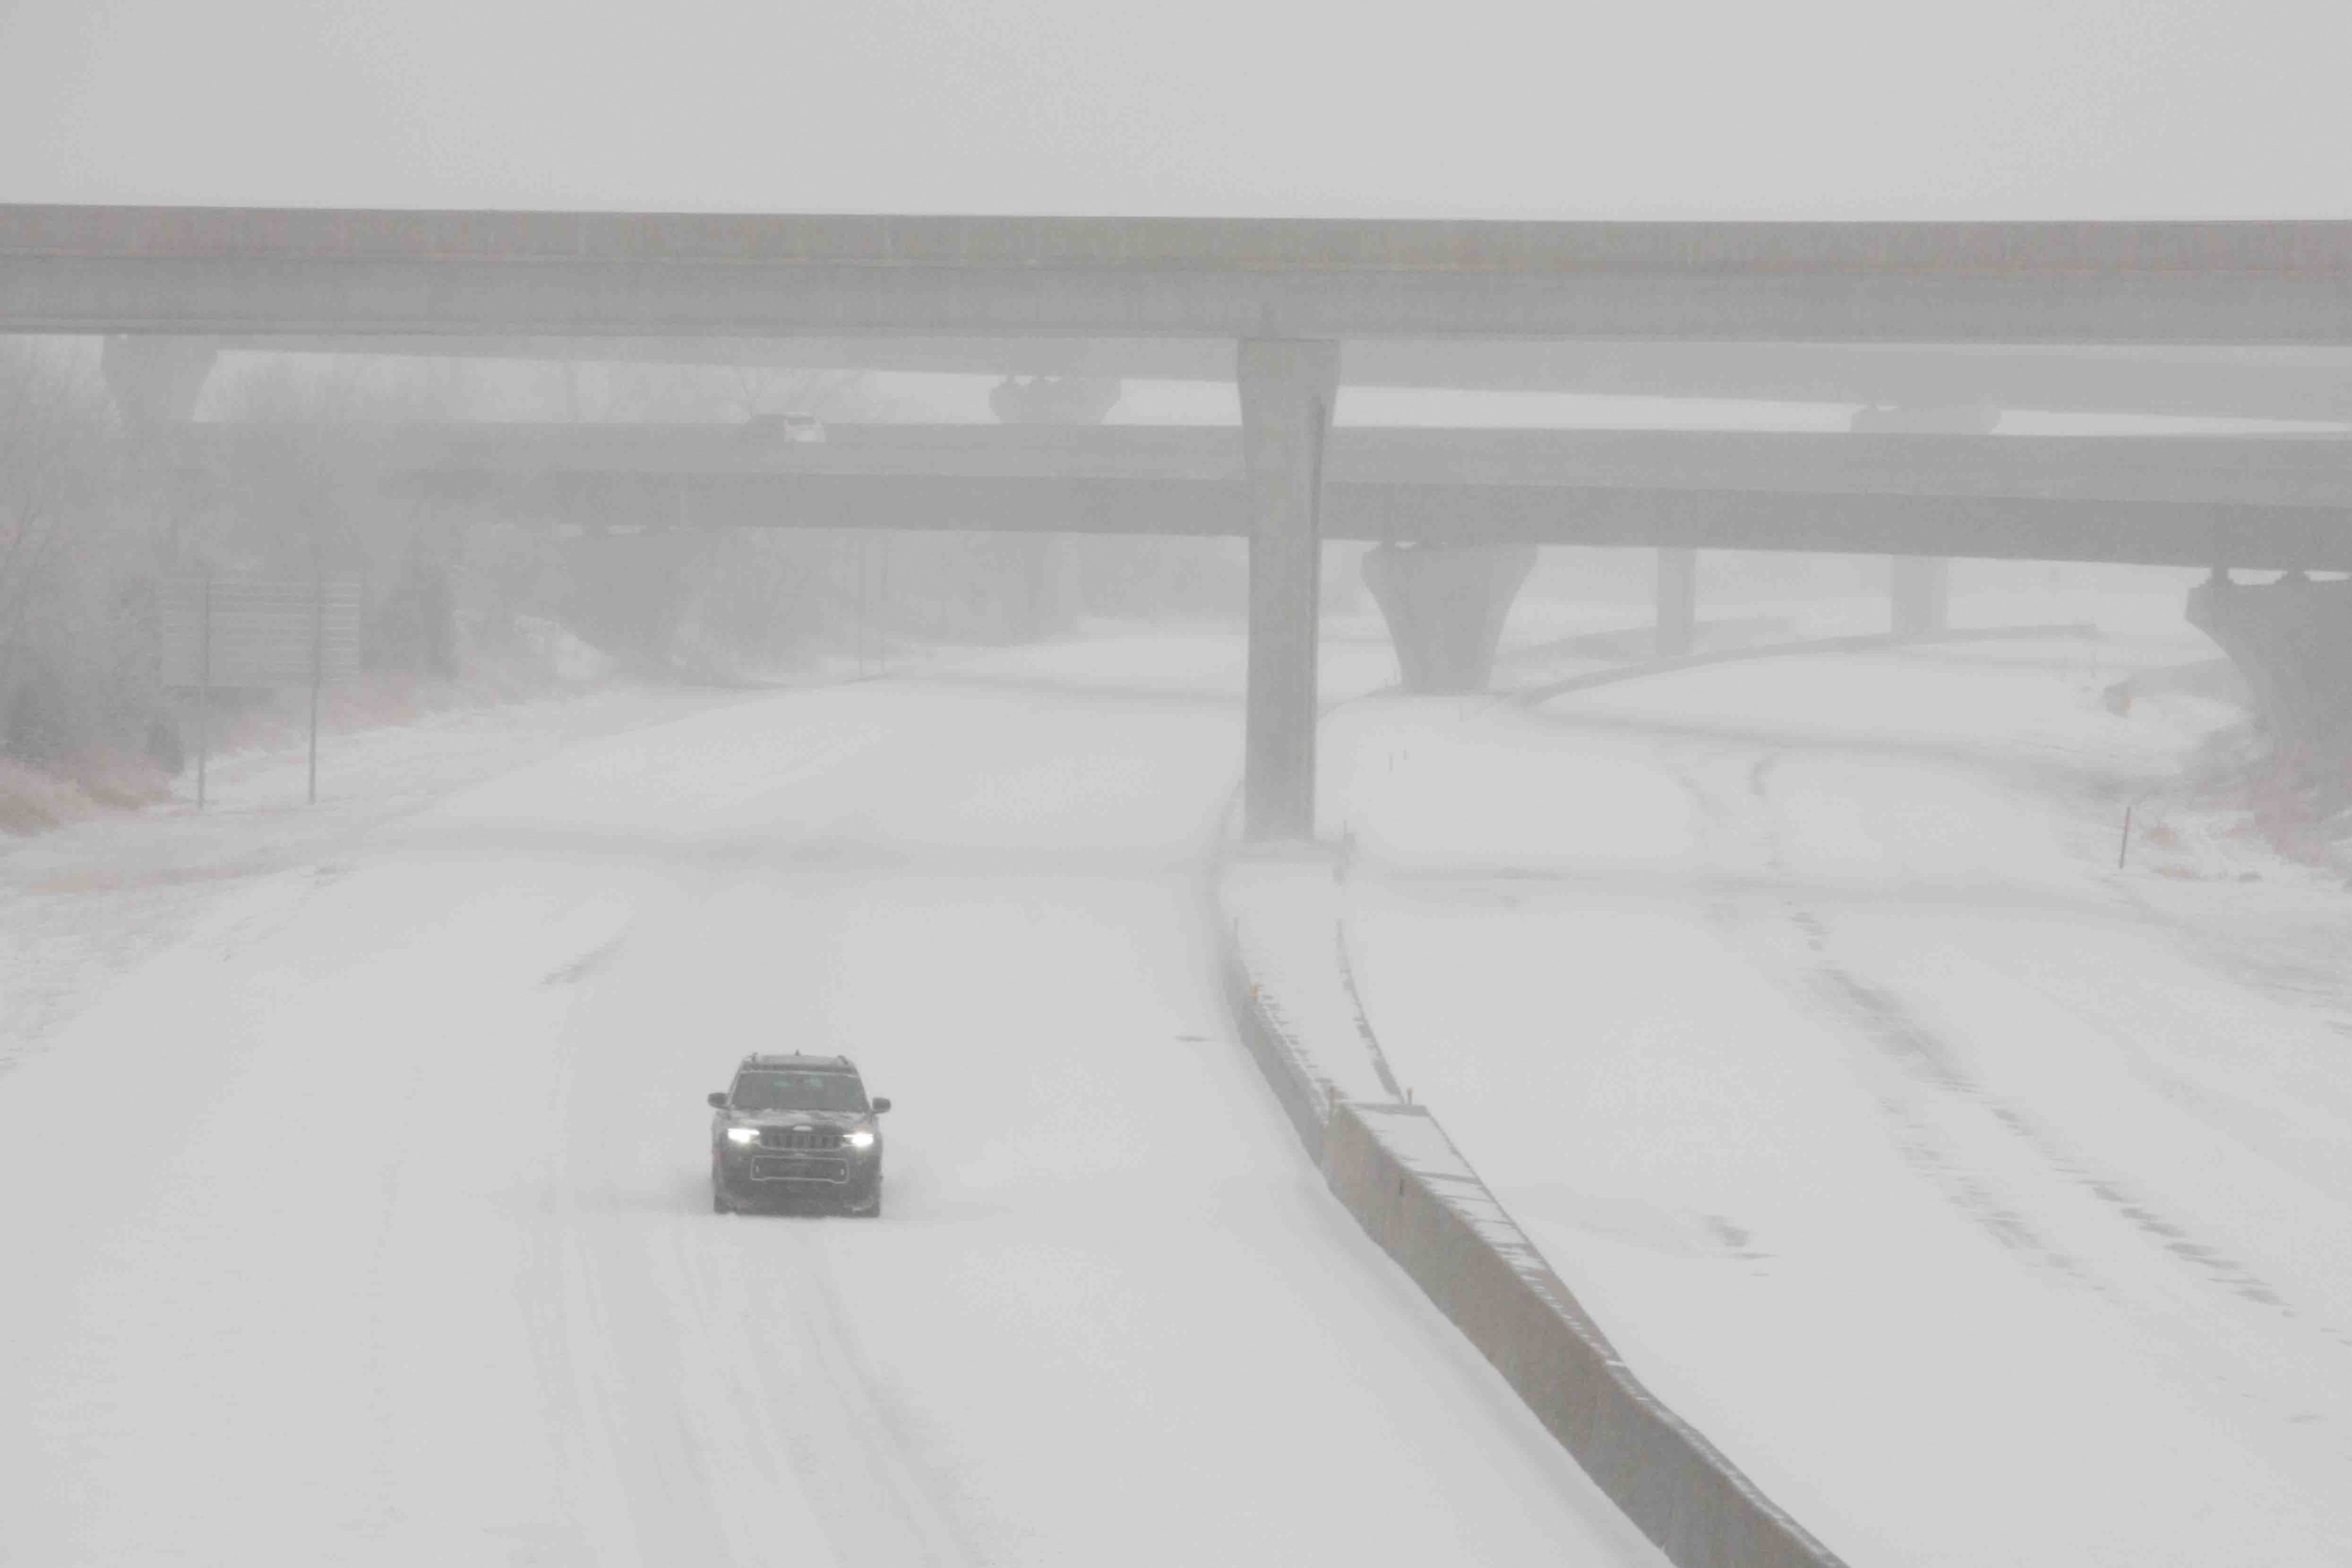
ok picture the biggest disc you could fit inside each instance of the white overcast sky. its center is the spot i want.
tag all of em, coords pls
(2020, 108)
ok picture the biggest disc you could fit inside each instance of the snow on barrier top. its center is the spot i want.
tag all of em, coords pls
(1392, 1165)
(1285, 915)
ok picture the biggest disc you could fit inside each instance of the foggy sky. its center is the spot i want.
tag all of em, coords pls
(2019, 109)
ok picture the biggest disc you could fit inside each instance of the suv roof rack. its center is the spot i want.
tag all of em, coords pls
(805, 1063)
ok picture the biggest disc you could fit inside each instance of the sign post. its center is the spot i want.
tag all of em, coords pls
(205, 695)
(317, 670)
(861, 606)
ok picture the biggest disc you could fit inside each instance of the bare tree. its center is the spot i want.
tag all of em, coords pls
(54, 454)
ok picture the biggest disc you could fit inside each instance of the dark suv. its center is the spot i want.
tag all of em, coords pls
(796, 1128)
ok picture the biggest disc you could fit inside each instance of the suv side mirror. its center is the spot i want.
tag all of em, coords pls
(881, 1105)
(718, 1099)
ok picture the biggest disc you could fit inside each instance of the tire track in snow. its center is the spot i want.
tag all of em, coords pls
(1940, 1067)
(776, 1352)
(585, 966)
(722, 1388)
(1929, 1058)
(888, 1484)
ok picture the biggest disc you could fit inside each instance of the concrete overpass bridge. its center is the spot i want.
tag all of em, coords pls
(2279, 502)
(1286, 295)
(2197, 381)
(1450, 495)
(229, 270)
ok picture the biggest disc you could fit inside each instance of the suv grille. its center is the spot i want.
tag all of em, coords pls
(811, 1138)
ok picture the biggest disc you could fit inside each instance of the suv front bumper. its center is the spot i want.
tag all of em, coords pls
(750, 1173)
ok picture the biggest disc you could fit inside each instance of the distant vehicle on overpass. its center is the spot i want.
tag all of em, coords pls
(785, 427)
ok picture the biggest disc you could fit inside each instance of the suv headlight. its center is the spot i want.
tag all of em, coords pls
(742, 1134)
(861, 1137)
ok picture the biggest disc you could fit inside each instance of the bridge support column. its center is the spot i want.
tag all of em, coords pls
(1288, 388)
(1918, 588)
(1678, 623)
(2293, 641)
(1918, 594)
(1445, 605)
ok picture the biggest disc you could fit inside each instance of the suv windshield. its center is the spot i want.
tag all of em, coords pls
(756, 1091)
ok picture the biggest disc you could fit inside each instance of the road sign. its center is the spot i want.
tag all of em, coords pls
(258, 632)
(261, 632)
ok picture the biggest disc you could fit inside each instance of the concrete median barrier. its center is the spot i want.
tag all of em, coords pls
(1398, 1173)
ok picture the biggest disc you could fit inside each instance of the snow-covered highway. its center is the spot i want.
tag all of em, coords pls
(367, 1222)
(1985, 1204)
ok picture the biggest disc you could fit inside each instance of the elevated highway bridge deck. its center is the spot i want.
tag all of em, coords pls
(2281, 501)
(2274, 384)
(230, 270)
